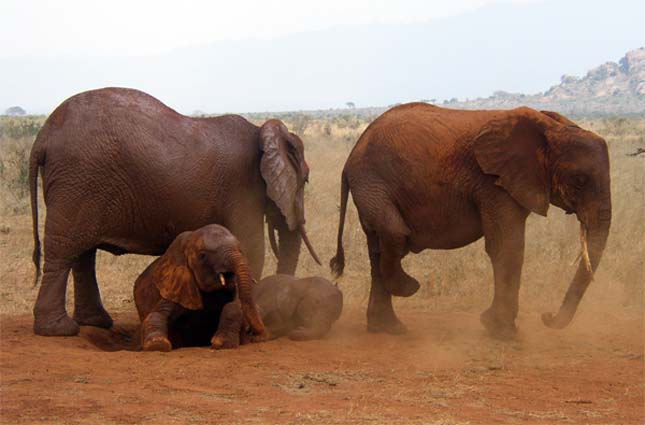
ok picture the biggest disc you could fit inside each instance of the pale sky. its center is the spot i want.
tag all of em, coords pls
(261, 55)
(144, 27)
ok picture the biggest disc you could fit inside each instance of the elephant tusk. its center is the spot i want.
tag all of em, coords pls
(585, 251)
(221, 279)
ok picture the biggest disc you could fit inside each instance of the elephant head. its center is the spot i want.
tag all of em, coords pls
(208, 259)
(542, 158)
(285, 172)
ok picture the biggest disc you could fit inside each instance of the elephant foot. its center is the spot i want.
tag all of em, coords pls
(264, 336)
(496, 327)
(62, 325)
(302, 333)
(97, 317)
(224, 342)
(157, 343)
(393, 326)
(402, 286)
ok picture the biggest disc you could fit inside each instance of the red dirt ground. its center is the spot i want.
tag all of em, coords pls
(445, 371)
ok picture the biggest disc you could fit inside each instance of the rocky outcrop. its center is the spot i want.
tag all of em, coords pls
(611, 88)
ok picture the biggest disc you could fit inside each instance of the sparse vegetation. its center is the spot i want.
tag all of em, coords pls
(451, 279)
(16, 138)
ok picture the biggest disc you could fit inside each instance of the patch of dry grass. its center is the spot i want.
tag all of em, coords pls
(456, 279)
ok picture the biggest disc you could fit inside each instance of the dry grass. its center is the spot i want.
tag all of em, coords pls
(457, 279)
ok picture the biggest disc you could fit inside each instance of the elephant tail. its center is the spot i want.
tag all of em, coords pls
(36, 160)
(337, 264)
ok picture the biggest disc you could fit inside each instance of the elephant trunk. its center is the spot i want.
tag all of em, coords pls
(244, 291)
(593, 240)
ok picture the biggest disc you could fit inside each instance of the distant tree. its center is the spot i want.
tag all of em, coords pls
(15, 111)
(350, 105)
(300, 122)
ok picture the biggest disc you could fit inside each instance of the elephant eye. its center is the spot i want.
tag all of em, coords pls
(202, 256)
(579, 180)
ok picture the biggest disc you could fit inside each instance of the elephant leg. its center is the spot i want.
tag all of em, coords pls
(229, 328)
(380, 216)
(289, 243)
(251, 237)
(88, 308)
(505, 247)
(314, 317)
(50, 315)
(154, 329)
(380, 313)
(255, 255)
(397, 281)
(313, 331)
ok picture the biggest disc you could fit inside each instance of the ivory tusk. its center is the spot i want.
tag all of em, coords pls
(585, 251)
(221, 279)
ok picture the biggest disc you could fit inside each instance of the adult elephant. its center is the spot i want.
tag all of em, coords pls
(124, 173)
(428, 177)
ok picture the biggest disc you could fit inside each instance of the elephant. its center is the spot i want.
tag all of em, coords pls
(124, 173)
(181, 296)
(302, 309)
(180, 309)
(427, 177)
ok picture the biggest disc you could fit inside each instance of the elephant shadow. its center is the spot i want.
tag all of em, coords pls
(125, 336)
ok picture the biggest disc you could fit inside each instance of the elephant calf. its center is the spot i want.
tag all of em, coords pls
(181, 296)
(303, 309)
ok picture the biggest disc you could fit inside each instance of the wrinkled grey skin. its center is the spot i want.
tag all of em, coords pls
(124, 173)
(303, 309)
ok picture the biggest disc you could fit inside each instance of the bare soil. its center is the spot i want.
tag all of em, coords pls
(446, 370)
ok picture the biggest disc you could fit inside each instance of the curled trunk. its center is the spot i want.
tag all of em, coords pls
(593, 243)
(244, 290)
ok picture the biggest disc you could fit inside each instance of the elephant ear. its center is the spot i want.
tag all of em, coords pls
(514, 149)
(173, 277)
(283, 169)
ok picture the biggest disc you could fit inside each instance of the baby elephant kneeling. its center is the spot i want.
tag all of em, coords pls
(303, 309)
(198, 292)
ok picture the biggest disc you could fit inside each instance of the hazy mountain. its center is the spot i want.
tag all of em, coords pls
(513, 47)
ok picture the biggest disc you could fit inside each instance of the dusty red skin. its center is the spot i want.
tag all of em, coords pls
(425, 177)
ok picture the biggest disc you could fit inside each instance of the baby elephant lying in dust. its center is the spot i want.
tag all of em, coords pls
(303, 308)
